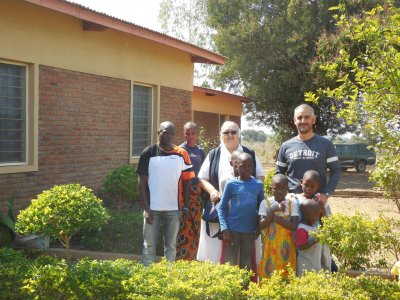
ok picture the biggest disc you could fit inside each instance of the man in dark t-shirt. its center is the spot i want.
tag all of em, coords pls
(308, 151)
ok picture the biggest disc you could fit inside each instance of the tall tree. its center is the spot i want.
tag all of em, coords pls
(361, 66)
(187, 21)
(269, 45)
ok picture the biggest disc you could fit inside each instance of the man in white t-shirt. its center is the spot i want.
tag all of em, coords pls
(165, 172)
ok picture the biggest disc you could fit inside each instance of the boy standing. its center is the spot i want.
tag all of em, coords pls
(238, 213)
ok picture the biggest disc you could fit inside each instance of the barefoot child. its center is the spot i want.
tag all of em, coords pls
(309, 249)
(238, 213)
(279, 214)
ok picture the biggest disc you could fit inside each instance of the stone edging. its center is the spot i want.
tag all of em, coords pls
(358, 193)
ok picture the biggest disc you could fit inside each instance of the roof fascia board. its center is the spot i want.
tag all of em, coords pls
(212, 92)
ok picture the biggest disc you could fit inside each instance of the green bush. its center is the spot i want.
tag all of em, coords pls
(92, 279)
(13, 268)
(122, 185)
(324, 286)
(46, 278)
(123, 233)
(187, 280)
(51, 278)
(61, 212)
(351, 238)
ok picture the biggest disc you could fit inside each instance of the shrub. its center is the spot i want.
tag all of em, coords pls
(187, 280)
(95, 279)
(51, 278)
(351, 238)
(122, 185)
(46, 278)
(389, 229)
(13, 267)
(324, 286)
(61, 212)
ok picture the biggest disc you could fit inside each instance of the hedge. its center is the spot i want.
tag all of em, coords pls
(52, 278)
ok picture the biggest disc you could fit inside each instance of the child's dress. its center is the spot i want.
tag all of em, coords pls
(279, 249)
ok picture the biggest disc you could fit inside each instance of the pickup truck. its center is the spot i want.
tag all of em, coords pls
(355, 155)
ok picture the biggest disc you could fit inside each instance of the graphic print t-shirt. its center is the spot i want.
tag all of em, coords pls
(164, 171)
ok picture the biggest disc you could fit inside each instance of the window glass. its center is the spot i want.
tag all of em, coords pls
(12, 113)
(142, 118)
(362, 148)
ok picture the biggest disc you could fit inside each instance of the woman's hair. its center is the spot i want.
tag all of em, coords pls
(228, 124)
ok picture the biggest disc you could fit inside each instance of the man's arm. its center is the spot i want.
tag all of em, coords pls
(335, 171)
(145, 197)
(281, 163)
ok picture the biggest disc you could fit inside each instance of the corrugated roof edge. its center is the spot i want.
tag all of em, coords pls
(199, 55)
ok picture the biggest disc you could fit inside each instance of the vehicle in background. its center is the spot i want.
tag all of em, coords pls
(355, 155)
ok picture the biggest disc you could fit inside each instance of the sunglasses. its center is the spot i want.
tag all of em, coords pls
(233, 132)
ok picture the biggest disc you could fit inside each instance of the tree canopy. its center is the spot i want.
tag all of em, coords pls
(361, 68)
(269, 46)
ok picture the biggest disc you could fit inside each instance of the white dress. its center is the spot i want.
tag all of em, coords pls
(210, 249)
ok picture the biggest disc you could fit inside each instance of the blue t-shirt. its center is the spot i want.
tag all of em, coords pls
(197, 156)
(242, 199)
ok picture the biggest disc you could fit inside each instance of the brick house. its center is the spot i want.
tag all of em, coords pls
(82, 93)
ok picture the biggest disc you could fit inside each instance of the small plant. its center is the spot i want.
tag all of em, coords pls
(7, 224)
(267, 182)
(122, 185)
(207, 143)
(61, 212)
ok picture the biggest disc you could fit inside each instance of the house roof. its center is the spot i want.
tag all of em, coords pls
(96, 21)
(211, 92)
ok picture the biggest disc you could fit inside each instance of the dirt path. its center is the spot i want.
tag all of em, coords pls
(353, 193)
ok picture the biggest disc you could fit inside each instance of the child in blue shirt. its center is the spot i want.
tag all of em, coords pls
(238, 213)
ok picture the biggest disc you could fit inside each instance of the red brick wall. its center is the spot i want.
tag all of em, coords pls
(175, 107)
(209, 121)
(235, 119)
(83, 133)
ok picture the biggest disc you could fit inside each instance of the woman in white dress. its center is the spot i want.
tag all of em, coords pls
(214, 172)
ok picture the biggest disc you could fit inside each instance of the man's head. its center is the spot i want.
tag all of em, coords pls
(279, 186)
(310, 183)
(230, 135)
(245, 165)
(304, 118)
(311, 211)
(166, 132)
(191, 133)
(233, 162)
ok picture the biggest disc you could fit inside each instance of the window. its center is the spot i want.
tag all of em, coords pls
(13, 114)
(142, 118)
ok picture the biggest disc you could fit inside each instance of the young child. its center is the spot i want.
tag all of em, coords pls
(279, 214)
(309, 249)
(310, 185)
(238, 213)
